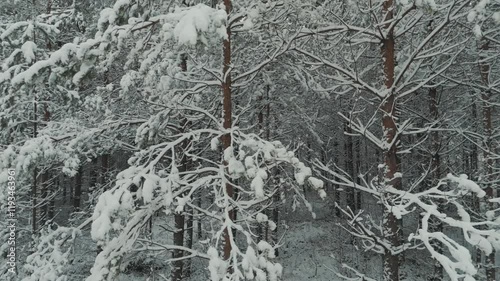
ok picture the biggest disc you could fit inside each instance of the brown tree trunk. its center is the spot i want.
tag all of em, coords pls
(391, 227)
(227, 116)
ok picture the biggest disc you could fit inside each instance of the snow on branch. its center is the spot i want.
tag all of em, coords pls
(49, 261)
(155, 182)
(456, 260)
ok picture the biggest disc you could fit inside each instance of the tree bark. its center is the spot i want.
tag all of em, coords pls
(78, 189)
(104, 169)
(198, 222)
(260, 125)
(93, 180)
(35, 172)
(179, 219)
(349, 165)
(227, 116)
(488, 160)
(178, 241)
(44, 214)
(474, 168)
(52, 203)
(436, 225)
(44, 206)
(189, 239)
(391, 175)
(357, 173)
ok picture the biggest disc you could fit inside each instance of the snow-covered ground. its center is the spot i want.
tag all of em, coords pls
(312, 249)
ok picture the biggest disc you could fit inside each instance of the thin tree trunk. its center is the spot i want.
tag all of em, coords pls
(488, 160)
(276, 214)
(436, 225)
(103, 178)
(200, 215)
(35, 172)
(52, 203)
(44, 206)
(93, 179)
(358, 167)
(178, 241)
(474, 168)
(189, 239)
(78, 189)
(349, 165)
(267, 234)
(260, 125)
(34, 202)
(64, 187)
(391, 175)
(179, 218)
(227, 116)
(71, 194)
(189, 211)
(44, 216)
(104, 169)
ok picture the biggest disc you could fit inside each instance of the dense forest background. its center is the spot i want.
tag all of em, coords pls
(249, 140)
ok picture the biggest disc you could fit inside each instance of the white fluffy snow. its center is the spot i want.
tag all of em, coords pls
(29, 49)
(193, 24)
(465, 184)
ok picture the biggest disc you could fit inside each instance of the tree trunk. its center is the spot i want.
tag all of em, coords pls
(357, 173)
(200, 215)
(104, 170)
(391, 175)
(436, 225)
(189, 239)
(474, 168)
(227, 116)
(44, 206)
(35, 174)
(93, 180)
(78, 189)
(178, 241)
(45, 176)
(276, 214)
(179, 219)
(64, 185)
(349, 165)
(52, 203)
(103, 178)
(34, 202)
(488, 158)
(260, 125)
